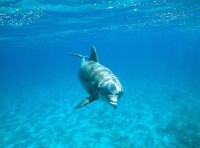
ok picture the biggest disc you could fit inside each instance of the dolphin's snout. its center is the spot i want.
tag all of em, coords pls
(113, 100)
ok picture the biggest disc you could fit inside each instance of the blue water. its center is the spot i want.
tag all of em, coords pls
(152, 46)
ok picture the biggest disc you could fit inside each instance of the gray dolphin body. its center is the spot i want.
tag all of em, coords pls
(98, 81)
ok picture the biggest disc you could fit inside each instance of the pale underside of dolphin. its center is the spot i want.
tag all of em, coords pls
(98, 81)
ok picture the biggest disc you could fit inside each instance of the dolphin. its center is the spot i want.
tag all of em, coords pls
(98, 81)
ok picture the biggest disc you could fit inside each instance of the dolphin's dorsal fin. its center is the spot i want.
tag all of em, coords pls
(93, 55)
(85, 102)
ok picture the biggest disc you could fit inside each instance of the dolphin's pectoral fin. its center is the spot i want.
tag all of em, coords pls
(85, 102)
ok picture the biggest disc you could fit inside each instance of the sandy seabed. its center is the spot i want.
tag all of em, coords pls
(150, 114)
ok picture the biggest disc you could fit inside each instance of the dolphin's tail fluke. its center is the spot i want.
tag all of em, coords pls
(78, 55)
(93, 55)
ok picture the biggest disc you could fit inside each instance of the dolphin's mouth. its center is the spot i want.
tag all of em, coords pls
(113, 103)
(113, 100)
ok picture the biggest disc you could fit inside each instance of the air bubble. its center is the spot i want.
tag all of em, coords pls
(16, 17)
